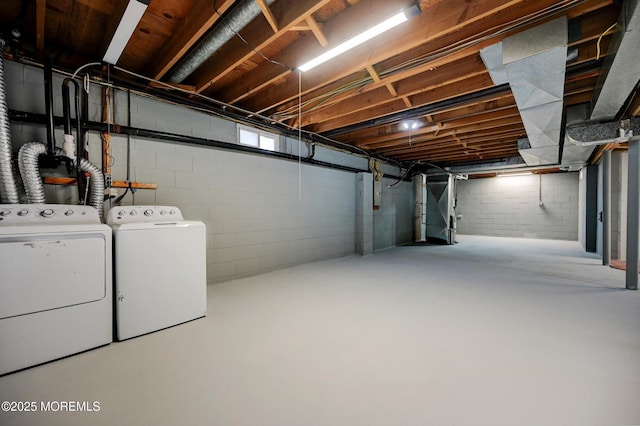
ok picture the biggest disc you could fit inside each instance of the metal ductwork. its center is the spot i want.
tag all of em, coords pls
(96, 183)
(612, 92)
(29, 171)
(622, 76)
(533, 62)
(224, 31)
(590, 134)
(8, 188)
(574, 153)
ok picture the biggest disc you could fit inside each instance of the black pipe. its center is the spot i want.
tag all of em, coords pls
(48, 102)
(66, 107)
(421, 111)
(34, 118)
(312, 150)
(66, 104)
(156, 134)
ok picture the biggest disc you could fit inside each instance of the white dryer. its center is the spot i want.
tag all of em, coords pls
(55, 283)
(160, 270)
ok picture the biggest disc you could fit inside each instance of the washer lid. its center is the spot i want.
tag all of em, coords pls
(143, 214)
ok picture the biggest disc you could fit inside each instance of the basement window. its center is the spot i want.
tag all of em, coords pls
(257, 138)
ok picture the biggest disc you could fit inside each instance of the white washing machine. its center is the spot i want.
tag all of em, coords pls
(160, 269)
(55, 283)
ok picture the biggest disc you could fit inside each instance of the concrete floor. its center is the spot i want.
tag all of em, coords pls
(490, 331)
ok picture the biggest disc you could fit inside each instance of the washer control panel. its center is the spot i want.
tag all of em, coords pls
(136, 214)
(36, 214)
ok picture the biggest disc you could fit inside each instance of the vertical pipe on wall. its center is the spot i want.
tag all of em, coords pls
(107, 115)
(633, 214)
(48, 103)
(606, 208)
(540, 203)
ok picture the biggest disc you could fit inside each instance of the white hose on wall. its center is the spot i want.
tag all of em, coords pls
(97, 185)
(28, 162)
(29, 171)
(8, 188)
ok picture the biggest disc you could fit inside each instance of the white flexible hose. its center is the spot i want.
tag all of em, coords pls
(8, 188)
(29, 171)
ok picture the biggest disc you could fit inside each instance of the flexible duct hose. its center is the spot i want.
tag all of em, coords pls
(29, 171)
(97, 185)
(8, 188)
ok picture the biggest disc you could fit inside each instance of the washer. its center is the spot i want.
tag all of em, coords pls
(159, 269)
(56, 286)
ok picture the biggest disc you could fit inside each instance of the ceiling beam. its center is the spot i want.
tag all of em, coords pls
(453, 55)
(454, 73)
(258, 35)
(389, 139)
(497, 102)
(264, 7)
(315, 29)
(268, 73)
(455, 18)
(480, 134)
(458, 87)
(195, 24)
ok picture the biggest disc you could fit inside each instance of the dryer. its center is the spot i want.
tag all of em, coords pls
(159, 269)
(55, 285)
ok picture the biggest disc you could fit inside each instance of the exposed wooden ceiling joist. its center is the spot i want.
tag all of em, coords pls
(198, 21)
(428, 68)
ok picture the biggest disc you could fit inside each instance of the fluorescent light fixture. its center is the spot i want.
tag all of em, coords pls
(515, 174)
(132, 15)
(357, 40)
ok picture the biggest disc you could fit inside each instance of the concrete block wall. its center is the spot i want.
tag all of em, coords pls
(261, 213)
(508, 206)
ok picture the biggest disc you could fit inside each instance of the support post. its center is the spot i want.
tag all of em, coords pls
(364, 214)
(633, 213)
(606, 208)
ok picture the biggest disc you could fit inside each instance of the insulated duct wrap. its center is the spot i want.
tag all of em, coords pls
(224, 31)
(8, 188)
(96, 184)
(29, 171)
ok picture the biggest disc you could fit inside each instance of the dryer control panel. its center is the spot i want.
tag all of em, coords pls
(140, 214)
(38, 214)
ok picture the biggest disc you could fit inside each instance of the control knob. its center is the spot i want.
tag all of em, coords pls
(148, 212)
(46, 213)
(23, 212)
(5, 212)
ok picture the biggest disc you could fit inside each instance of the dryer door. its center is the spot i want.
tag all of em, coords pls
(41, 273)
